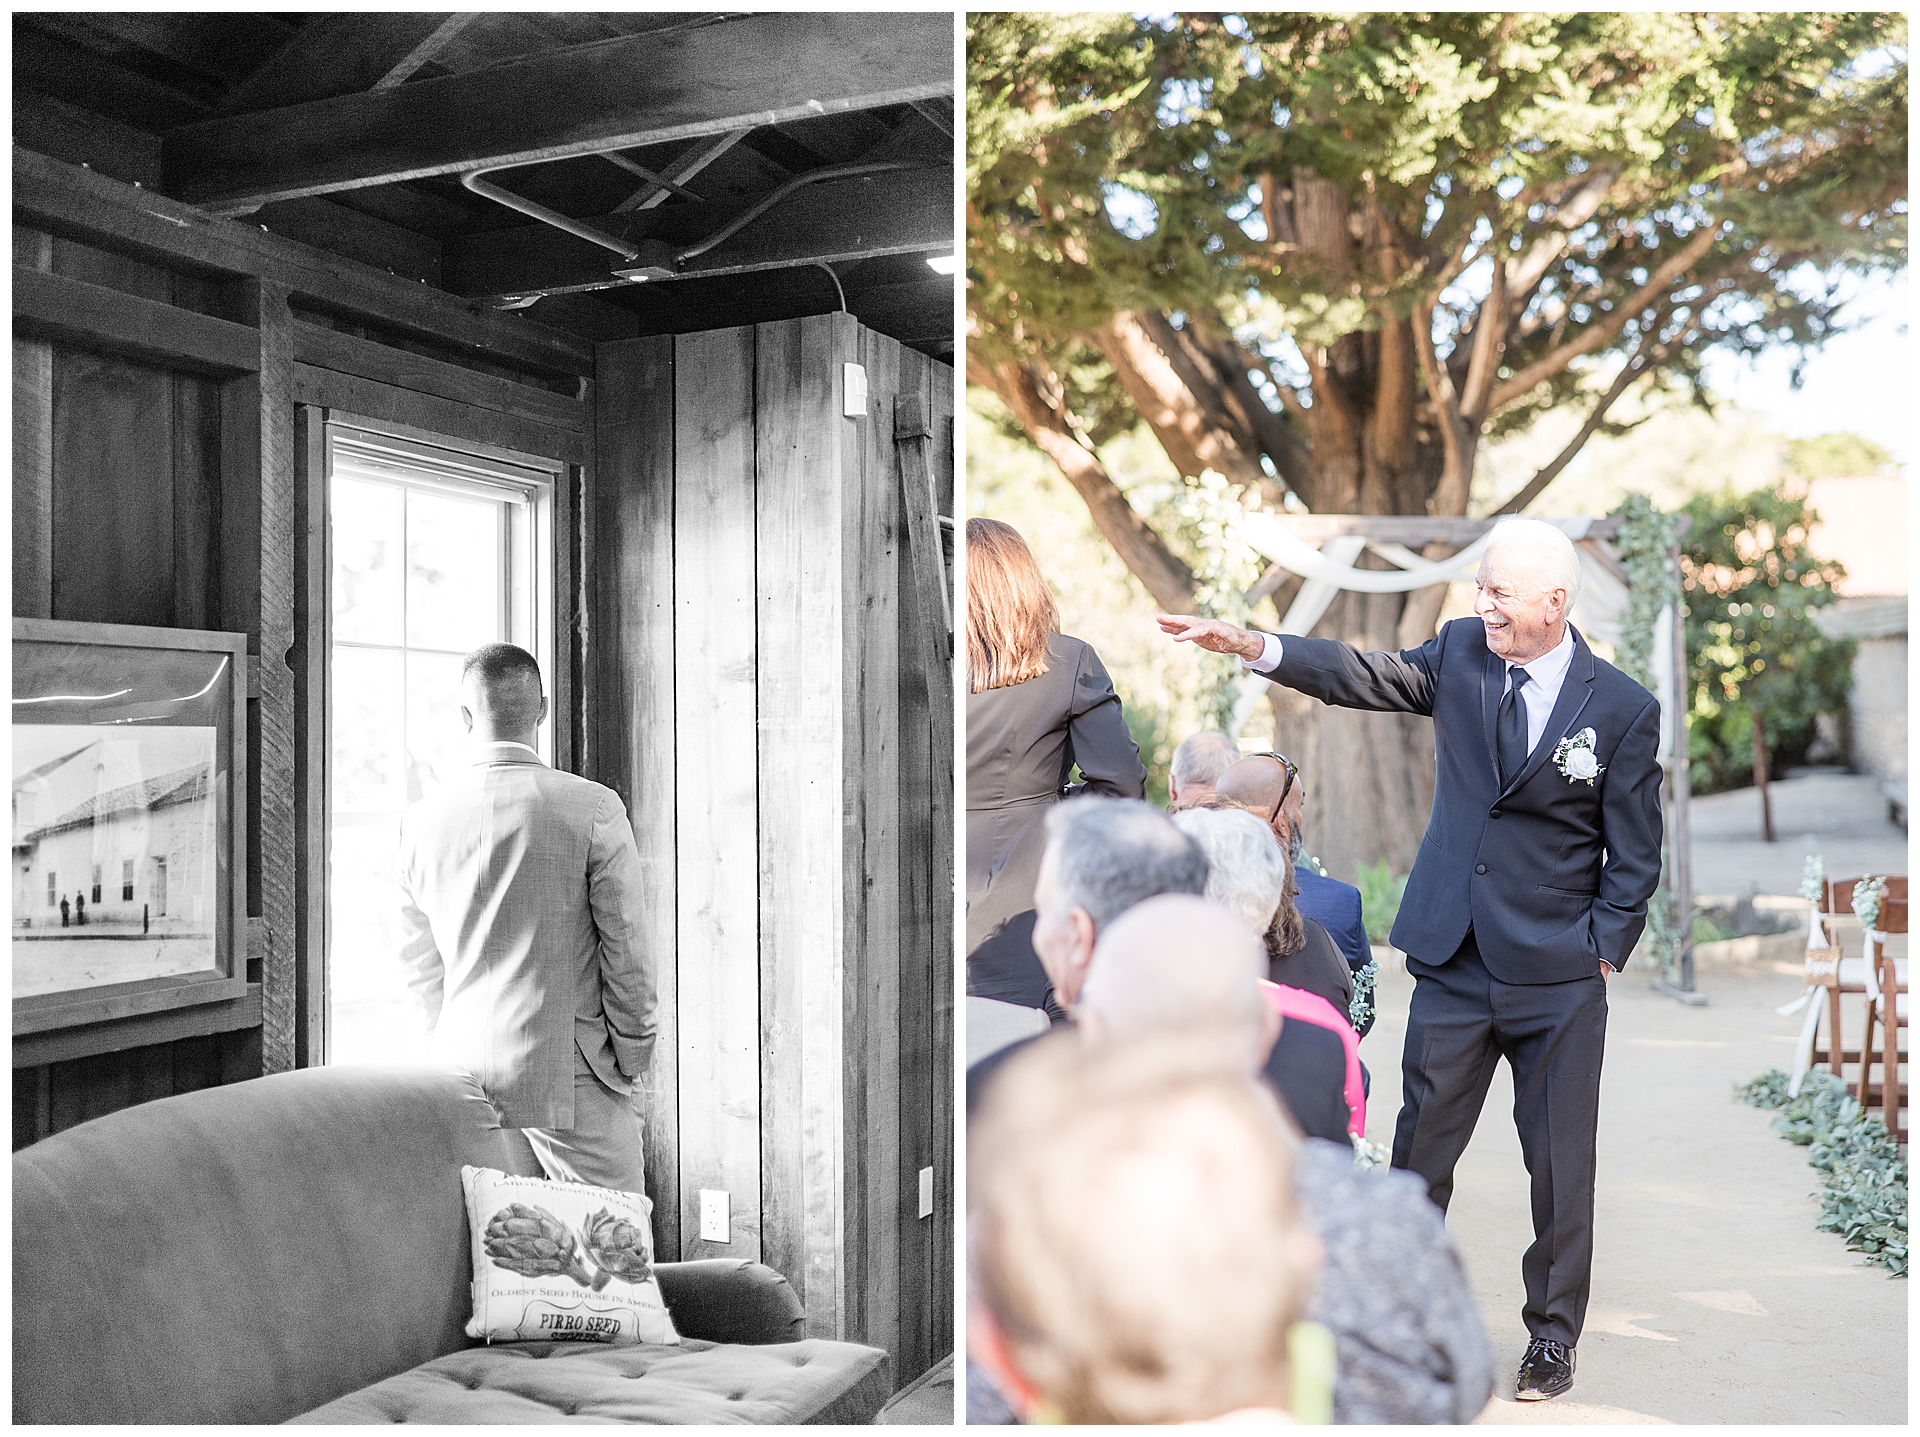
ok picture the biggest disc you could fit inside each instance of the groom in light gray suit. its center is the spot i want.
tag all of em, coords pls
(519, 889)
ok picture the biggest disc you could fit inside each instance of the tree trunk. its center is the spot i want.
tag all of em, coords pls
(1368, 777)
(1760, 775)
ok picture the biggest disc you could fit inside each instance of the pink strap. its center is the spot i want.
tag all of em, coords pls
(1312, 1008)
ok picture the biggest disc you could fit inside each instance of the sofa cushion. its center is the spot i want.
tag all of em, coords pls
(810, 1382)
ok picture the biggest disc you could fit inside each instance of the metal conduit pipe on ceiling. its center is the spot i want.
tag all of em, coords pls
(476, 181)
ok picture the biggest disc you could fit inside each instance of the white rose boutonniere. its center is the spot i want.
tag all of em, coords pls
(1574, 758)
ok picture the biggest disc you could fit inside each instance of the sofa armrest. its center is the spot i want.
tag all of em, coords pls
(726, 1299)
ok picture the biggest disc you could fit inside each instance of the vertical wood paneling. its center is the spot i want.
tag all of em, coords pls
(909, 478)
(568, 629)
(940, 389)
(714, 696)
(196, 501)
(312, 628)
(32, 478)
(634, 698)
(799, 434)
(257, 456)
(113, 491)
(873, 798)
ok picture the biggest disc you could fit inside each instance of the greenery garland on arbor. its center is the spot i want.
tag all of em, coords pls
(1645, 546)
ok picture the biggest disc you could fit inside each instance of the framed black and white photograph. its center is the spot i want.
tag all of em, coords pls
(128, 747)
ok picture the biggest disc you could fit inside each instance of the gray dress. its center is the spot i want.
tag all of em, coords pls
(1022, 742)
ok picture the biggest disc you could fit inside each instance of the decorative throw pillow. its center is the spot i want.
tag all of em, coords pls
(561, 1261)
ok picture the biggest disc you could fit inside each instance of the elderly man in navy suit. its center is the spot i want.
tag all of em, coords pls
(1531, 886)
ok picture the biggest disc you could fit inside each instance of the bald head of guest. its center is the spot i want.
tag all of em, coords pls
(1096, 1170)
(1263, 785)
(501, 697)
(1180, 963)
(1197, 762)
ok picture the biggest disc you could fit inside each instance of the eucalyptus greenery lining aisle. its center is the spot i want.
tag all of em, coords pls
(1864, 1171)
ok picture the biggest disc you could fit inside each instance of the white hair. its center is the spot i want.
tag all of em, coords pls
(1203, 757)
(1550, 554)
(1246, 869)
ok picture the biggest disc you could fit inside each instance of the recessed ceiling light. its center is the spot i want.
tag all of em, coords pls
(940, 263)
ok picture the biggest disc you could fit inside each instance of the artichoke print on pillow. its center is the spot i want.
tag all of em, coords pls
(534, 1243)
(620, 1249)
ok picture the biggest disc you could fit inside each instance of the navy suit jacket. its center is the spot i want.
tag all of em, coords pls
(1552, 874)
(1335, 906)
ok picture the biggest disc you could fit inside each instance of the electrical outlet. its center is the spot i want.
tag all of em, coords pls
(716, 1221)
(853, 399)
(926, 1192)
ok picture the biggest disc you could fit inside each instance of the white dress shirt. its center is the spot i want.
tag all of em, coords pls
(1545, 676)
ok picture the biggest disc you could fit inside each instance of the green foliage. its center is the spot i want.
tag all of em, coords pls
(1835, 455)
(1201, 520)
(1645, 546)
(1380, 894)
(1436, 128)
(1705, 930)
(1753, 650)
(1864, 1172)
(1152, 729)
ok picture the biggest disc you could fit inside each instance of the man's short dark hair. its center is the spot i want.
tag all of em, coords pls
(509, 678)
(1111, 853)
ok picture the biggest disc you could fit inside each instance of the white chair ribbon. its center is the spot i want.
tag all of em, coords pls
(1809, 1000)
(1803, 1045)
(1872, 979)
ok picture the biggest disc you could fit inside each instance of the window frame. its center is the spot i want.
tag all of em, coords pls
(531, 564)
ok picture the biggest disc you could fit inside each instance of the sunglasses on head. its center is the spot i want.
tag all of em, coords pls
(1293, 773)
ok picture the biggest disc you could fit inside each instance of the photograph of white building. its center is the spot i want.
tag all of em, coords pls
(114, 874)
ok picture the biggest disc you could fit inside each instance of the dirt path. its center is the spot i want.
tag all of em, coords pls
(1714, 1298)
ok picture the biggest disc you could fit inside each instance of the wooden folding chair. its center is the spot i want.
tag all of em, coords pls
(1836, 898)
(1888, 1012)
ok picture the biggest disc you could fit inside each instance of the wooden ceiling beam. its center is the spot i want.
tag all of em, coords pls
(900, 212)
(640, 90)
(340, 54)
(68, 201)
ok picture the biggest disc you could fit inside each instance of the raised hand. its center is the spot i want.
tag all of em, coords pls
(1214, 635)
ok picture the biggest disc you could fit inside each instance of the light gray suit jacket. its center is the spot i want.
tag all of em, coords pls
(520, 887)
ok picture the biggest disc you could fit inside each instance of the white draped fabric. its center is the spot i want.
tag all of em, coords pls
(1329, 569)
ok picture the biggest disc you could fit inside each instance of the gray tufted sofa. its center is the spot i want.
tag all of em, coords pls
(295, 1248)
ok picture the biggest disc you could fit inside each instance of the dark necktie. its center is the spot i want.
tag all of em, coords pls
(1511, 730)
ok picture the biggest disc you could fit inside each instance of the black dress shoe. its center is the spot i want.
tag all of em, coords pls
(1546, 1371)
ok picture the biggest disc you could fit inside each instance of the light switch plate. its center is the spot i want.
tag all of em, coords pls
(853, 397)
(926, 1192)
(716, 1220)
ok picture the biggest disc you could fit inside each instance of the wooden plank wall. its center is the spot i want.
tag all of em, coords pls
(118, 512)
(717, 813)
(632, 748)
(158, 480)
(757, 715)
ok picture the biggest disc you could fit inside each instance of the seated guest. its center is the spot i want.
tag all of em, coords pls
(1300, 954)
(1139, 1254)
(1177, 962)
(1269, 785)
(1197, 762)
(1411, 1345)
(1103, 855)
(1246, 873)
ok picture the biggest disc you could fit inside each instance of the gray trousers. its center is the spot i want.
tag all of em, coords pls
(603, 1147)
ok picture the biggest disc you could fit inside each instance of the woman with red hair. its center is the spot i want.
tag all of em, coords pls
(1038, 703)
